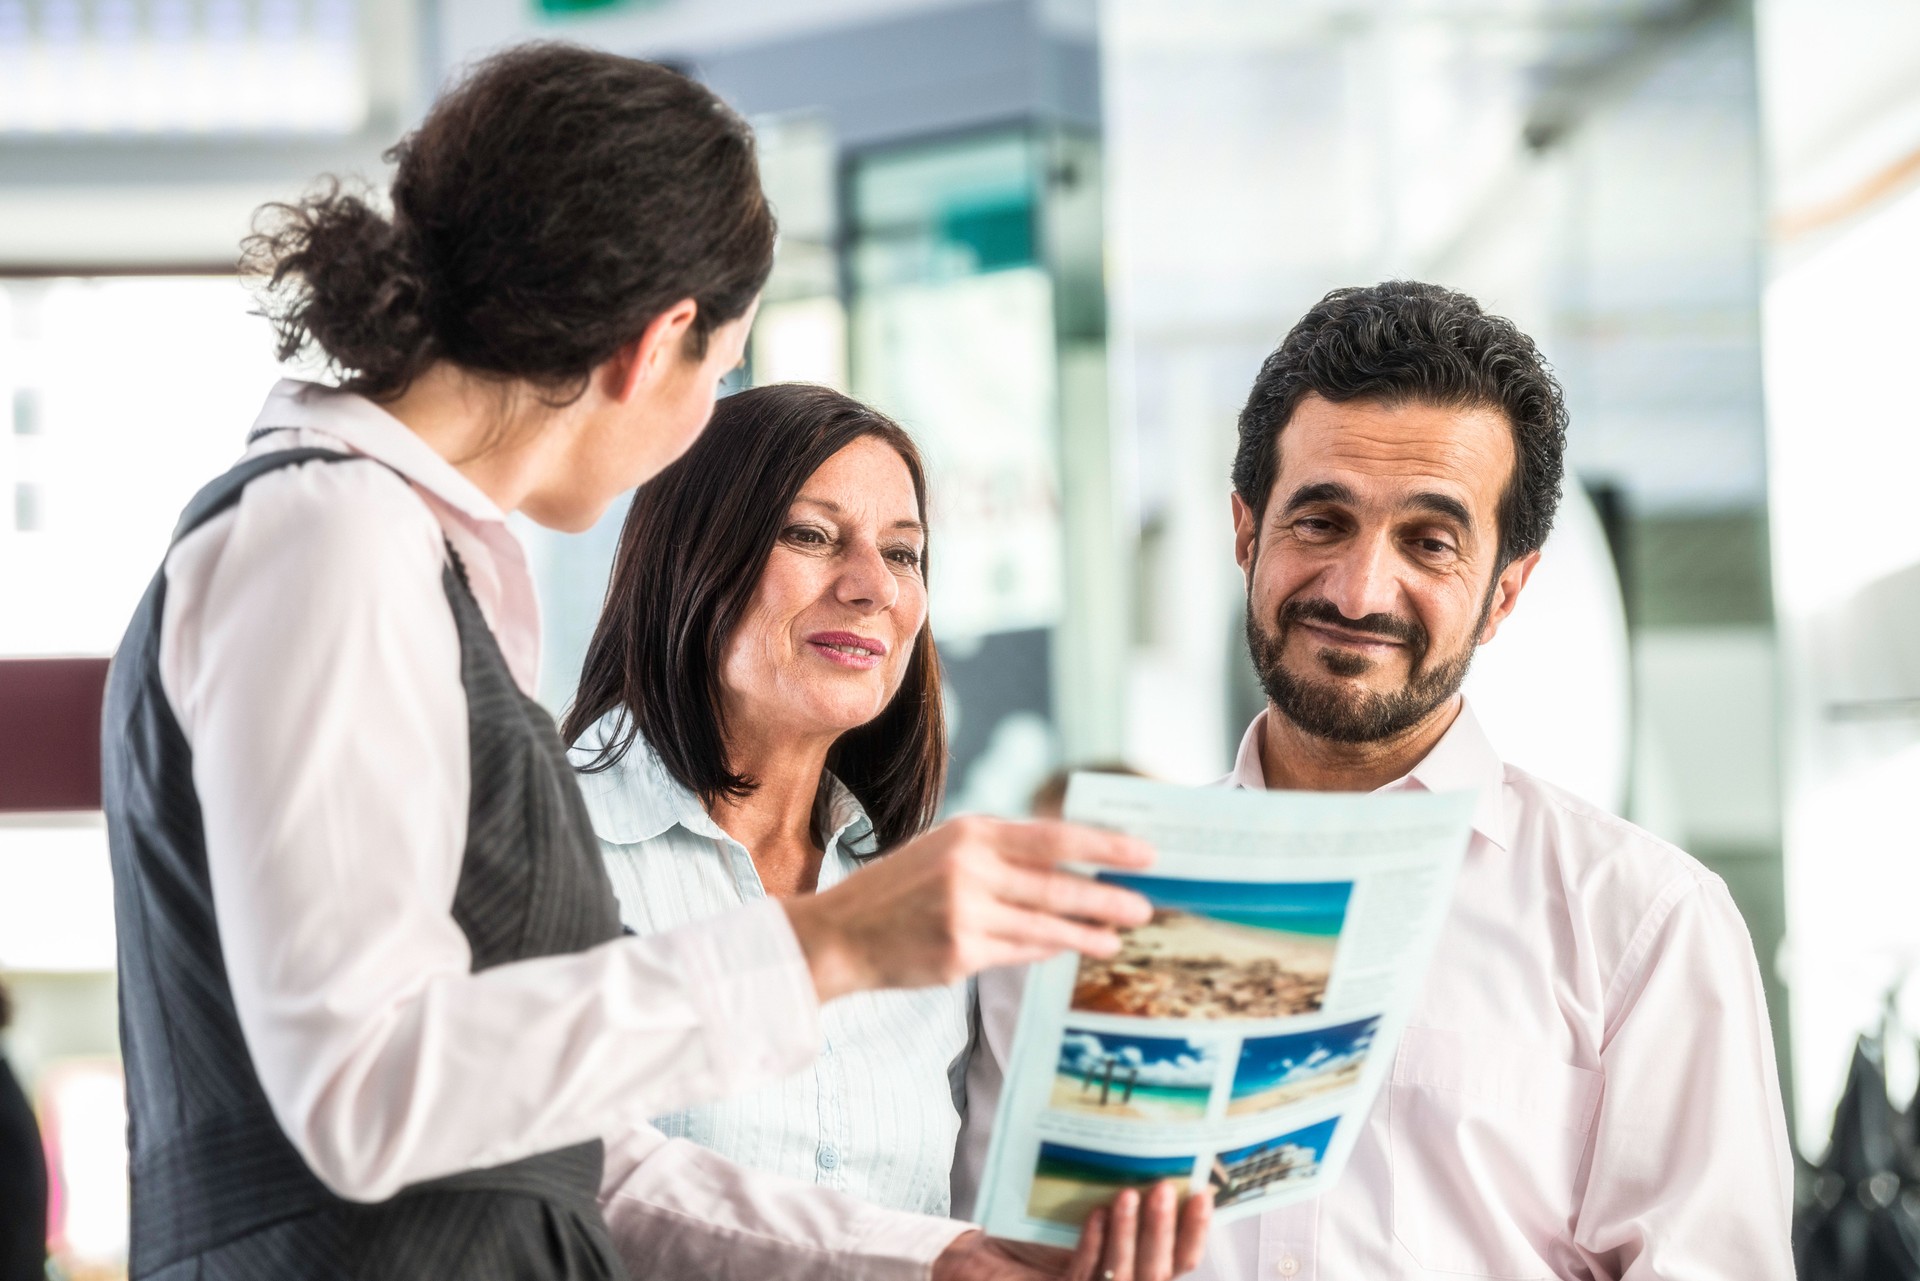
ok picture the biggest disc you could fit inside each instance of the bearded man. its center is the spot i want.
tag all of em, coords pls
(1586, 1088)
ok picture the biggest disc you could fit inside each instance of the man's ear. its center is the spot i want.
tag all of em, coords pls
(641, 362)
(1246, 536)
(1506, 592)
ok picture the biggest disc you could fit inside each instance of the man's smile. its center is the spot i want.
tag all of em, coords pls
(1371, 643)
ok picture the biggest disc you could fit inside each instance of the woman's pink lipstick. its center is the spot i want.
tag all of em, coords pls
(861, 653)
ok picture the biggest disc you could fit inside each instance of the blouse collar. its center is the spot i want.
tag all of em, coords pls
(637, 798)
(368, 429)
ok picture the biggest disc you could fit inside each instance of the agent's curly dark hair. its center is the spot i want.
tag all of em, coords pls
(1403, 341)
(545, 212)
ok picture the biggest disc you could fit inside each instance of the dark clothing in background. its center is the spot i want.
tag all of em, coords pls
(23, 1186)
(219, 1192)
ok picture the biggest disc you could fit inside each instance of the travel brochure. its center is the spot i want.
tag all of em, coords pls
(1237, 1040)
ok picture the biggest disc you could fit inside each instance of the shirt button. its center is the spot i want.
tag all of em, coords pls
(828, 1158)
(1288, 1266)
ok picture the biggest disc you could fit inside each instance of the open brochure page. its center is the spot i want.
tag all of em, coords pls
(1239, 1038)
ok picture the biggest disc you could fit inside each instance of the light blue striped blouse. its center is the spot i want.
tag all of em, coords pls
(877, 1115)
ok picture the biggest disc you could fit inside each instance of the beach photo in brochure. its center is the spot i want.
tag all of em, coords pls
(1239, 1036)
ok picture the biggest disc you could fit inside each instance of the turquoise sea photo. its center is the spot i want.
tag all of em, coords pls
(1275, 1071)
(1220, 950)
(1069, 1183)
(1134, 1078)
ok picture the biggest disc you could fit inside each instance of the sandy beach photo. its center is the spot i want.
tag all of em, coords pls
(1275, 1071)
(1070, 1183)
(1134, 1078)
(1220, 950)
(1288, 1158)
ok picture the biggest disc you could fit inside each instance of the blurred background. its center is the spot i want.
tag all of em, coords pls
(1055, 238)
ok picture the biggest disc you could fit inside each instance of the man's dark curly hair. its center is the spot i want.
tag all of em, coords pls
(1405, 342)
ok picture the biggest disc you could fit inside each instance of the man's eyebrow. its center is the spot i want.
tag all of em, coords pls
(1427, 500)
(1326, 491)
(1443, 505)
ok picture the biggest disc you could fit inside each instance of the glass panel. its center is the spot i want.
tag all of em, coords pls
(939, 211)
(953, 333)
(127, 395)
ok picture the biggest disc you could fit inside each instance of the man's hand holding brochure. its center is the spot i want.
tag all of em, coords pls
(1238, 1039)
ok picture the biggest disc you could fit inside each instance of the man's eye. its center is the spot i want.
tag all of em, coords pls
(1435, 546)
(1314, 525)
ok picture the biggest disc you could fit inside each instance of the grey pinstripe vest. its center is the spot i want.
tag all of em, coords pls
(219, 1192)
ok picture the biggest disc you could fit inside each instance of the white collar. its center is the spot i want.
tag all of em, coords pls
(637, 798)
(368, 429)
(1463, 760)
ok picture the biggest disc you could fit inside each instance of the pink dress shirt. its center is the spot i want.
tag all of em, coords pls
(1586, 1089)
(309, 655)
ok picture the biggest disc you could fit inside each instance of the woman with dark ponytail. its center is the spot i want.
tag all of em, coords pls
(377, 1012)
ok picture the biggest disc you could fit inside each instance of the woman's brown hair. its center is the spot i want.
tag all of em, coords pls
(549, 207)
(695, 544)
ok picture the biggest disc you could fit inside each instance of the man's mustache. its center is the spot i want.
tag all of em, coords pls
(1388, 626)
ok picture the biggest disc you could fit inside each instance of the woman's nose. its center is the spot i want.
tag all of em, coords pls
(865, 580)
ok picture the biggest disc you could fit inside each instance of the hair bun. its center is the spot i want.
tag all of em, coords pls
(339, 276)
(549, 208)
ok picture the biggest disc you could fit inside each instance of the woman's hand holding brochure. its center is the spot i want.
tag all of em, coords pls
(1141, 1236)
(970, 894)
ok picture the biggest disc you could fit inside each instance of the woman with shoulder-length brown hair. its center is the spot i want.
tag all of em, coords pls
(666, 665)
(759, 715)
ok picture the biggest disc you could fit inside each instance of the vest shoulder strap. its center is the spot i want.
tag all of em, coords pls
(224, 491)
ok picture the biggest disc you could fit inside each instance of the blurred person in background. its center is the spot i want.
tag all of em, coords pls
(377, 1012)
(760, 715)
(23, 1176)
(1586, 1088)
(1050, 798)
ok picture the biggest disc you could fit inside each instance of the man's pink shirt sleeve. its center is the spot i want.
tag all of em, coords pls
(1691, 1176)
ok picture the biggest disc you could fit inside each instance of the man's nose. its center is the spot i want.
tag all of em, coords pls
(1362, 580)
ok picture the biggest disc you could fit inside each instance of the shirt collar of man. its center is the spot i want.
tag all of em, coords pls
(366, 428)
(1463, 760)
(637, 798)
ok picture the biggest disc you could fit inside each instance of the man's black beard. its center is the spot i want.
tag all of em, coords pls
(1339, 713)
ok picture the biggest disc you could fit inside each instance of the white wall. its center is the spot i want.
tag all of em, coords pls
(1841, 82)
(1846, 444)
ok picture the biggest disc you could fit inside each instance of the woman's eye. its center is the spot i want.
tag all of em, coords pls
(806, 534)
(905, 556)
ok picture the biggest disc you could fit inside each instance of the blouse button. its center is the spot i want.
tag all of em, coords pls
(1288, 1266)
(828, 1158)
